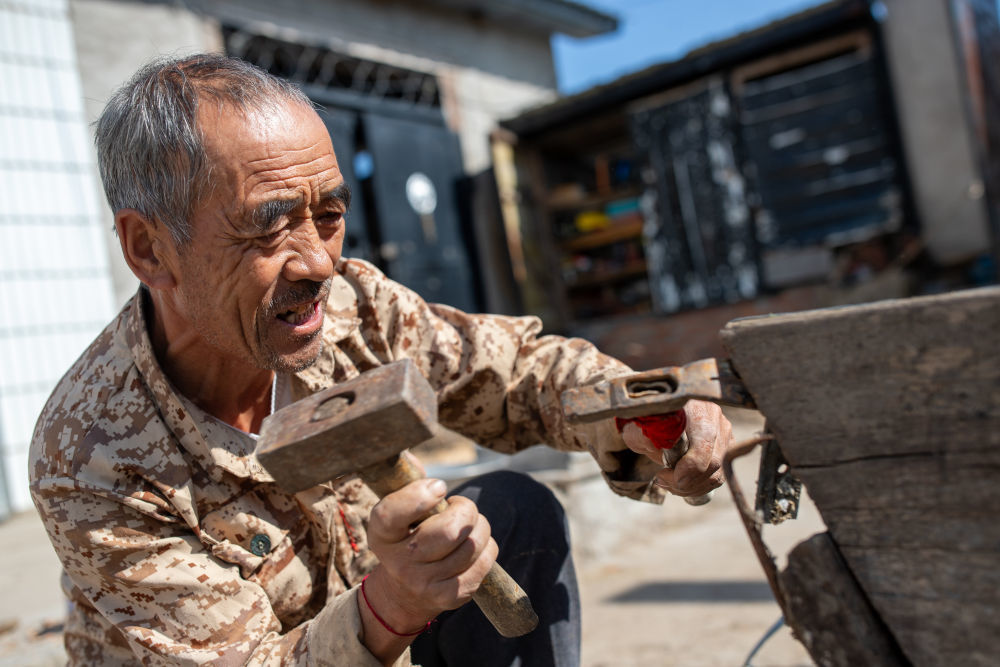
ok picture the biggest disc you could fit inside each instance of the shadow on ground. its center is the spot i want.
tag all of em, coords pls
(696, 591)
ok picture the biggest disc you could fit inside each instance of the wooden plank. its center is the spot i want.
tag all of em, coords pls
(938, 575)
(828, 611)
(968, 531)
(890, 415)
(940, 482)
(953, 645)
(630, 271)
(590, 201)
(856, 41)
(942, 609)
(909, 376)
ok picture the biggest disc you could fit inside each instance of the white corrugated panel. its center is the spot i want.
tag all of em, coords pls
(55, 282)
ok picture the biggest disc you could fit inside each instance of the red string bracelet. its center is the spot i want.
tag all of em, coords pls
(379, 618)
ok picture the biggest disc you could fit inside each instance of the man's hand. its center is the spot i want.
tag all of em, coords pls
(432, 567)
(700, 469)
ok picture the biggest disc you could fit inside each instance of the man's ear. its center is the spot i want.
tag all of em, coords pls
(147, 248)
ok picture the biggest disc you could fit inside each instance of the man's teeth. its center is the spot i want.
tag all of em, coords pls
(298, 315)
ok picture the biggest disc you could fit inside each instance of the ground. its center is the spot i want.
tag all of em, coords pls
(671, 585)
(681, 585)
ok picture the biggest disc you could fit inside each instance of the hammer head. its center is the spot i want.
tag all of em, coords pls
(348, 427)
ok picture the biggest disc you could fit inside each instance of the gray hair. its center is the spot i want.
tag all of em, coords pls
(150, 150)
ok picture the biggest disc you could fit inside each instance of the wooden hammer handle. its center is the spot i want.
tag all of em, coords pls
(500, 598)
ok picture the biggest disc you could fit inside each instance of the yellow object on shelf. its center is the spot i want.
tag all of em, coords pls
(589, 221)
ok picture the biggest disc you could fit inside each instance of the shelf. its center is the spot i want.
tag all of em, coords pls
(611, 234)
(633, 270)
(590, 200)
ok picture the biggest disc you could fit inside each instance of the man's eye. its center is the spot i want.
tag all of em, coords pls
(330, 219)
(271, 239)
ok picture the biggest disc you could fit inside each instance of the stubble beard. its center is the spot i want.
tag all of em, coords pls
(273, 361)
(296, 294)
(265, 356)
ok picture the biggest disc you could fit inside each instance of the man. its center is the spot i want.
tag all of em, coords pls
(177, 547)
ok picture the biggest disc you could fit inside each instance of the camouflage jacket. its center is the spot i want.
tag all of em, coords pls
(177, 546)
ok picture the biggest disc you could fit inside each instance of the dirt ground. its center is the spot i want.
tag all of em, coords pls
(671, 585)
(682, 586)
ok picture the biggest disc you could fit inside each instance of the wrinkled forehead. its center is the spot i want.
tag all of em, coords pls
(283, 152)
(254, 133)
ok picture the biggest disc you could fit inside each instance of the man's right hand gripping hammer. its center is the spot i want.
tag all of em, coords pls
(363, 426)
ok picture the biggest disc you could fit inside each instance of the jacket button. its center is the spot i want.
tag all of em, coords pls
(260, 545)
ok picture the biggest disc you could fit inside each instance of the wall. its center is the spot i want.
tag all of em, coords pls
(487, 71)
(927, 83)
(55, 287)
(646, 342)
(112, 40)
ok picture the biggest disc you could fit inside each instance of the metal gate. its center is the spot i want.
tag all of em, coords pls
(820, 157)
(343, 128)
(402, 162)
(417, 169)
(699, 240)
(758, 177)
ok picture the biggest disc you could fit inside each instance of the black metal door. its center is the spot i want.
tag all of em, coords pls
(343, 127)
(417, 166)
(700, 248)
(822, 160)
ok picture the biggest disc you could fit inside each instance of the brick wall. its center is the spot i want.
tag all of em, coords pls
(651, 341)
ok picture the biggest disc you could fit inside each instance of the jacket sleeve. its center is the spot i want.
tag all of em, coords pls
(499, 382)
(146, 588)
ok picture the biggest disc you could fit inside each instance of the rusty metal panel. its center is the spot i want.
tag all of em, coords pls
(699, 240)
(977, 29)
(819, 154)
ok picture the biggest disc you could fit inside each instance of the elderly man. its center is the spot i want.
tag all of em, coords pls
(177, 546)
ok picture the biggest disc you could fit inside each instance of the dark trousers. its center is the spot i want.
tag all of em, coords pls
(530, 527)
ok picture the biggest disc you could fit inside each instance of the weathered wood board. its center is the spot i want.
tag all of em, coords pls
(822, 596)
(889, 413)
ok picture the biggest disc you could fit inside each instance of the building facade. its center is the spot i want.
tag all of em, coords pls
(409, 90)
(842, 154)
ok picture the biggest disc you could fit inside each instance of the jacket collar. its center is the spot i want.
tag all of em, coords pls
(231, 455)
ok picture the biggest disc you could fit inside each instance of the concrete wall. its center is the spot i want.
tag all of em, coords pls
(487, 71)
(928, 84)
(112, 40)
(55, 286)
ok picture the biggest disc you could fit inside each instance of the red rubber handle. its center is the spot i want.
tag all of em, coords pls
(664, 430)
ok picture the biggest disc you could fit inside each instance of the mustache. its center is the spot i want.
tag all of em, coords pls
(298, 293)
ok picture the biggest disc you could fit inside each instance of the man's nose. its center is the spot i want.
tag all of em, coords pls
(310, 260)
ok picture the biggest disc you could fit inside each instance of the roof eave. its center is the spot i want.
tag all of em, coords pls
(550, 16)
(698, 63)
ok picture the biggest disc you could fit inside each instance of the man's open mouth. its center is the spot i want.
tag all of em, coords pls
(299, 314)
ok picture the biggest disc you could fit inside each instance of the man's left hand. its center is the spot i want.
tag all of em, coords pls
(700, 469)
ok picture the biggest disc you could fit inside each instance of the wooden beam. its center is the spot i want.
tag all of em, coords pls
(889, 413)
(829, 612)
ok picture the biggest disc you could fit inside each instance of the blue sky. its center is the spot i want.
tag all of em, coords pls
(653, 31)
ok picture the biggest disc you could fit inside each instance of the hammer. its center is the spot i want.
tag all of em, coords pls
(362, 426)
(655, 392)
